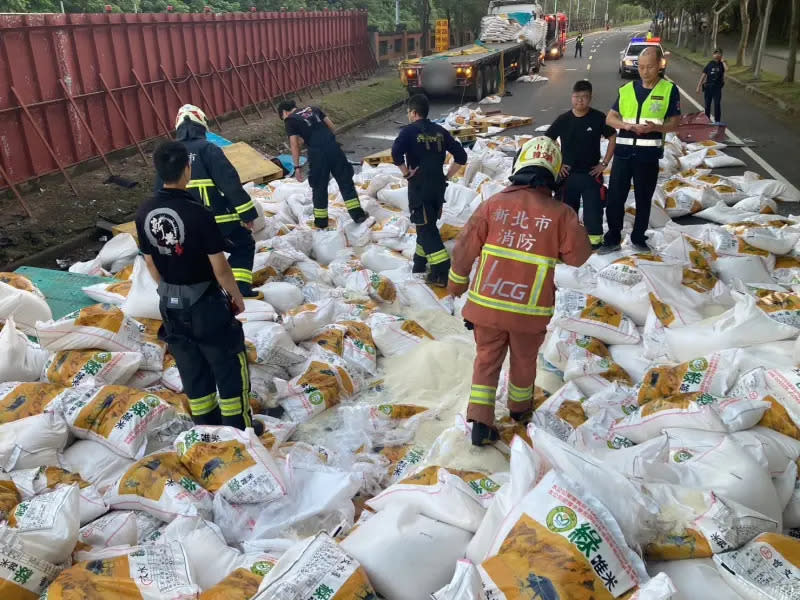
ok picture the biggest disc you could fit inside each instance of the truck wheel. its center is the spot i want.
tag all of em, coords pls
(477, 91)
(523, 64)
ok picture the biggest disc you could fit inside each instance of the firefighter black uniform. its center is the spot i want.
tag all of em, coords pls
(215, 183)
(199, 327)
(326, 159)
(423, 145)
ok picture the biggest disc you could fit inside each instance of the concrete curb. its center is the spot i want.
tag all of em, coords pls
(750, 88)
(49, 255)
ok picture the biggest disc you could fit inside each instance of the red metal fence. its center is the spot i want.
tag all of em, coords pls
(78, 86)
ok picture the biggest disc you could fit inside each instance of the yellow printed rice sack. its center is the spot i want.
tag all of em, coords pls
(94, 368)
(242, 584)
(151, 572)
(320, 386)
(160, 485)
(22, 400)
(711, 374)
(20, 282)
(625, 270)
(118, 417)
(766, 568)
(560, 542)
(396, 335)
(316, 568)
(9, 495)
(109, 293)
(32, 482)
(352, 275)
(783, 307)
(351, 340)
(402, 459)
(561, 413)
(787, 270)
(23, 576)
(231, 462)
(587, 315)
(101, 327)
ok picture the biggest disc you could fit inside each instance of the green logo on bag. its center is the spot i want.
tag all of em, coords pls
(561, 519)
(682, 456)
(698, 364)
(316, 398)
(261, 567)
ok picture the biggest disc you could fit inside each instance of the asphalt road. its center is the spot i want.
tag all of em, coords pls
(774, 136)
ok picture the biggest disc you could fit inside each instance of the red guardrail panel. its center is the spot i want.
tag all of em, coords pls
(146, 62)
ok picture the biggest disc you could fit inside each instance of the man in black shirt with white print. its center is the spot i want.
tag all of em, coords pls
(580, 130)
(184, 252)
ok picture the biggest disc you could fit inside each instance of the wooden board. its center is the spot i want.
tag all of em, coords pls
(251, 164)
(505, 121)
(384, 156)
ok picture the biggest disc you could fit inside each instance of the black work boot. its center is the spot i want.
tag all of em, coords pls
(358, 215)
(483, 434)
(420, 264)
(321, 223)
(522, 417)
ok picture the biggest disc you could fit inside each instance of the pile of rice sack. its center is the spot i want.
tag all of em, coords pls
(662, 460)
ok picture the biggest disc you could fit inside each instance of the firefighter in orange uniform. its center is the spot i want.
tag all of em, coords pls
(519, 235)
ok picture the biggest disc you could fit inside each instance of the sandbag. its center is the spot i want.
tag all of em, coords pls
(230, 462)
(160, 485)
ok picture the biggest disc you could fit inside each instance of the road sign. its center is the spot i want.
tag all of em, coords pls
(442, 35)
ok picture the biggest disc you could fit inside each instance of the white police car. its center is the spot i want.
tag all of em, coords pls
(629, 58)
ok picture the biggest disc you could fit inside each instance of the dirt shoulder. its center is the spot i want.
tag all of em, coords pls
(59, 216)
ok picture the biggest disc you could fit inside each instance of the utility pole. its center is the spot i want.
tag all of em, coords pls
(606, 11)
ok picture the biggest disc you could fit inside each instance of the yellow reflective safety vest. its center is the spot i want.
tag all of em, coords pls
(653, 109)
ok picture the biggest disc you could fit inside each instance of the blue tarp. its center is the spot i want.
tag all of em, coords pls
(523, 18)
(217, 140)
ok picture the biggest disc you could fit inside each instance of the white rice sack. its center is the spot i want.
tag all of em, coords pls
(271, 345)
(31, 575)
(301, 322)
(728, 244)
(693, 159)
(317, 566)
(716, 159)
(116, 528)
(26, 306)
(109, 293)
(95, 463)
(119, 417)
(118, 252)
(101, 327)
(631, 358)
(564, 513)
(327, 244)
(395, 335)
(722, 214)
(257, 310)
(695, 146)
(561, 413)
(406, 555)
(32, 441)
(47, 525)
(581, 313)
(694, 579)
(787, 270)
(20, 358)
(142, 300)
(769, 239)
(380, 181)
(230, 462)
(750, 269)
(757, 204)
(283, 296)
(396, 195)
(90, 368)
(33, 482)
(766, 567)
(160, 485)
(754, 185)
(351, 341)
(380, 259)
(320, 385)
(677, 294)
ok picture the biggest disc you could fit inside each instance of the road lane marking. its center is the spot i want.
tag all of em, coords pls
(589, 67)
(377, 136)
(749, 151)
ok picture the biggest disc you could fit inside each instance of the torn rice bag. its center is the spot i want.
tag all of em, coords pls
(449, 496)
(694, 579)
(585, 314)
(33, 441)
(320, 386)
(283, 296)
(31, 482)
(743, 325)
(351, 275)
(73, 368)
(20, 358)
(406, 555)
(766, 567)
(148, 572)
(48, 524)
(787, 270)
(316, 568)
(31, 575)
(101, 327)
(276, 431)
(695, 410)
(395, 335)
(109, 293)
(160, 485)
(271, 345)
(119, 417)
(465, 585)
(560, 542)
(561, 413)
(352, 341)
(301, 322)
(230, 462)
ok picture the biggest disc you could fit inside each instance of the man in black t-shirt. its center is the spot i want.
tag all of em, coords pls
(183, 249)
(711, 82)
(580, 130)
(310, 126)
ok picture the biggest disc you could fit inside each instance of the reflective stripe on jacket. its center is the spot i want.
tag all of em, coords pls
(654, 110)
